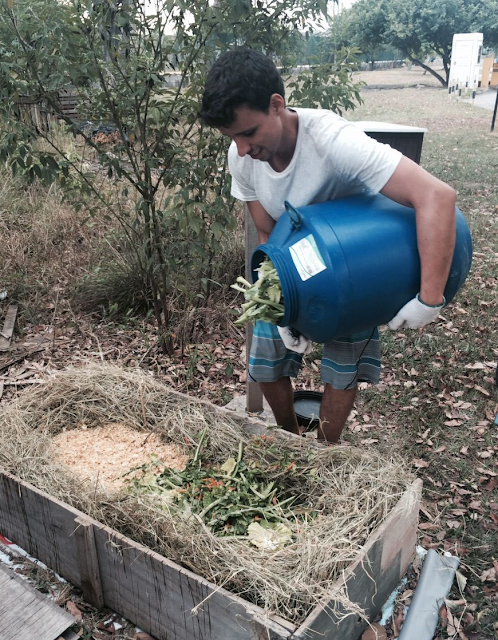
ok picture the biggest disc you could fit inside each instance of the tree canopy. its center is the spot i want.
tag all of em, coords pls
(417, 28)
(139, 68)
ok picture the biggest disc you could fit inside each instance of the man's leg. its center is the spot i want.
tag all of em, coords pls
(272, 366)
(334, 411)
(345, 361)
(280, 397)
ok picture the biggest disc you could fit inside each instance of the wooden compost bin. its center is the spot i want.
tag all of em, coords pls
(173, 603)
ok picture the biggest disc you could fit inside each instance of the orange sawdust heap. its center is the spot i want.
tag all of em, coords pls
(104, 454)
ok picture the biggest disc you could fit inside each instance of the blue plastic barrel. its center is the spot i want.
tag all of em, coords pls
(351, 264)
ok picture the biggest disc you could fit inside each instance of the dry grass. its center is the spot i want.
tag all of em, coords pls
(45, 242)
(352, 491)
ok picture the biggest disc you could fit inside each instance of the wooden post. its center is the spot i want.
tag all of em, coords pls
(91, 585)
(8, 328)
(494, 113)
(254, 396)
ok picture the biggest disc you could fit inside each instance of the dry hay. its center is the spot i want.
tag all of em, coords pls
(353, 491)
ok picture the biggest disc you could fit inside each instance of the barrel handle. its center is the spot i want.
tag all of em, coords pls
(294, 215)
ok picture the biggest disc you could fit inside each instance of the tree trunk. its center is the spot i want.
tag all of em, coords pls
(443, 81)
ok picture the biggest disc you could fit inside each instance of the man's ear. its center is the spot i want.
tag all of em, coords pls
(277, 102)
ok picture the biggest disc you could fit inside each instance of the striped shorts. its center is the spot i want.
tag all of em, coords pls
(345, 361)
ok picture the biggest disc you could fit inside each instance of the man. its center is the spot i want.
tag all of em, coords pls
(306, 156)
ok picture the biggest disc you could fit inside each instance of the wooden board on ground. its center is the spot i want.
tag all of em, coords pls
(8, 328)
(26, 614)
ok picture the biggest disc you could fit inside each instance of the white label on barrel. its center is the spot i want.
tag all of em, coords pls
(306, 257)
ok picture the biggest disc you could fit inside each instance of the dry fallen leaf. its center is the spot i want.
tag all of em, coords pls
(476, 366)
(483, 391)
(74, 611)
(374, 632)
(420, 464)
(461, 580)
(489, 575)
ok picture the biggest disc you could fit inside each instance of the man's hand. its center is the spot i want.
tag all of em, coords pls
(415, 314)
(295, 341)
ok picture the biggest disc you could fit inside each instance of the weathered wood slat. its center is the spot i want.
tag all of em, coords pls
(254, 395)
(41, 525)
(26, 614)
(172, 602)
(8, 328)
(372, 578)
(91, 585)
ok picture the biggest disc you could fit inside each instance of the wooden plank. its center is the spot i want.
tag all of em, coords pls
(487, 67)
(173, 603)
(372, 578)
(26, 614)
(8, 328)
(41, 525)
(88, 562)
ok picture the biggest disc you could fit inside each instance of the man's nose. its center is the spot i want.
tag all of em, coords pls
(243, 147)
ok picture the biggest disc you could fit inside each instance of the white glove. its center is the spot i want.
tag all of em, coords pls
(415, 314)
(294, 340)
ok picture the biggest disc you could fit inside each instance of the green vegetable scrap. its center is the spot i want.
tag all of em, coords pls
(263, 298)
(229, 499)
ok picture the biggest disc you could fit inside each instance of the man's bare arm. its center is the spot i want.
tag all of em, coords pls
(434, 204)
(263, 222)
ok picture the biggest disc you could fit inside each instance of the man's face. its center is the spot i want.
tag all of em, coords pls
(256, 133)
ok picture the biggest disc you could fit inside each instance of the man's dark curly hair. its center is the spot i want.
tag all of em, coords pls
(239, 77)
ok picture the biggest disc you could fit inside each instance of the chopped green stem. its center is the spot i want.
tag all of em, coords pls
(199, 446)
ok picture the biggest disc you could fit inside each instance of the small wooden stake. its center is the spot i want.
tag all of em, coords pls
(91, 585)
(8, 328)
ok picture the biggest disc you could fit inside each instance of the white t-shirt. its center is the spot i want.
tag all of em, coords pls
(332, 159)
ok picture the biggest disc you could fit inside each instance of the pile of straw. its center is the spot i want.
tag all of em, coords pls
(353, 491)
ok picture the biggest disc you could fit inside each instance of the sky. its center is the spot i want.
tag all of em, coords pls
(333, 7)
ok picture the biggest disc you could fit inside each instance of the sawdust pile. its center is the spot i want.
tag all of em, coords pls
(104, 455)
(352, 491)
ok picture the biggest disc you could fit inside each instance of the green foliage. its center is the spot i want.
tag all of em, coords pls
(363, 26)
(162, 175)
(338, 92)
(417, 28)
(227, 498)
(263, 298)
(485, 20)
